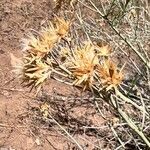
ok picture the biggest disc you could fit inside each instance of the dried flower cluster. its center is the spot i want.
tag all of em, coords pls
(82, 64)
(109, 74)
(91, 61)
(43, 43)
(36, 67)
(36, 71)
(88, 64)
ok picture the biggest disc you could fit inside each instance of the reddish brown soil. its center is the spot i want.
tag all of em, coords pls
(22, 126)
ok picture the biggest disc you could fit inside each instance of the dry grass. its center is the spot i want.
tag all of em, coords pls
(124, 25)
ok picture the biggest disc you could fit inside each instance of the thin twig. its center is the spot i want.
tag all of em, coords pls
(126, 99)
(130, 123)
(121, 36)
(116, 135)
(70, 136)
(144, 112)
(99, 110)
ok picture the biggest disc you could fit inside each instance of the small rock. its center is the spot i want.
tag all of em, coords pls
(1, 51)
(38, 142)
(5, 93)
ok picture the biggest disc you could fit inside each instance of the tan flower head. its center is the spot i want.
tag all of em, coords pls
(82, 65)
(109, 74)
(40, 45)
(103, 50)
(62, 26)
(35, 71)
(46, 39)
(49, 36)
(32, 70)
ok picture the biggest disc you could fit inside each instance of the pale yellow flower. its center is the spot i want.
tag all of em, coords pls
(62, 26)
(35, 71)
(103, 50)
(109, 74)
(46, 39)
(82, 65)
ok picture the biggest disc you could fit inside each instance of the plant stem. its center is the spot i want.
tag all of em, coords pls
(131, 123)
(126, 99)
(70, 136)
(147, 63)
